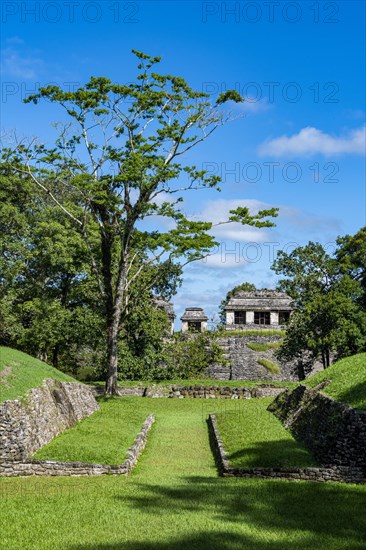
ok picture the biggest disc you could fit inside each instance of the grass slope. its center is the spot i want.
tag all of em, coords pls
(175, 499)
(254, 437)
(20, 372)
(348, 378)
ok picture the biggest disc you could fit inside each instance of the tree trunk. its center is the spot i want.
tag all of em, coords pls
(55, 356)
(112, 358)
(301, 370)
(111, 387)
(109, 306)
(323, 359)
(114, 297)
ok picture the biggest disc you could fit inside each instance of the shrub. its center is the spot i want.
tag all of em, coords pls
(191, 355)
(87, 373)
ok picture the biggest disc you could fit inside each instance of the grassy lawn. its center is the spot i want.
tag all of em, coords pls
(253, 437)
(174, 499)
(20, 372)
(348, 378)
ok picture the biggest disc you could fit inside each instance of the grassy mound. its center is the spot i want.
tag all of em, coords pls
(19, 372)
(348, 380)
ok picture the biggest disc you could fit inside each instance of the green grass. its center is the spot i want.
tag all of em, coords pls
(253, 437)
(103, 438)
(269, 365)
(255, 346)
(348, 378)
(108, 433)
(174, 499)
(253, 332)
(20, 372)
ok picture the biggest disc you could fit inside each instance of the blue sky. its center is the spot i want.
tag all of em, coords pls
(300, 145)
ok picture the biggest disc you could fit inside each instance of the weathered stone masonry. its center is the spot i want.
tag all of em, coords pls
(199, 391)
(334, 432)
(243, 361)
(345, 474)
(21, 468)
(28, 424)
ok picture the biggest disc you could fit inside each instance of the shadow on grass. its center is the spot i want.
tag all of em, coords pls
(273, 515)
(204, 540)
(272, 454)
(266, 454)
(355, 394)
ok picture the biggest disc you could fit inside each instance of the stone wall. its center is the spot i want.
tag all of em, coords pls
(243, 363)
(28, 424)
(334, 432)
(21, 468)
(225, 392)
(343, 474)
(199, 391)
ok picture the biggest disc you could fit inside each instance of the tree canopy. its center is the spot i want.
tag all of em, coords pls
(329, 295)
(119, 161)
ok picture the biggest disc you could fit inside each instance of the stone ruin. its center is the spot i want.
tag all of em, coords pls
(259, 309)
(160, 303)
(265, 309)
(194, 319)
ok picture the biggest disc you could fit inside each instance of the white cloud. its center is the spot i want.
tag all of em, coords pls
(164, 197)
(310, 141)
(217, 211)
(355, 114)
(224, 259)
(253, 107)
(187, 299)
(310, 222)
(19, 64)
(14, 40)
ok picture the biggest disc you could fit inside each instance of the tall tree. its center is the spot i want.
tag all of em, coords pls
(351, 256)
(330, 319)
(121, 156)
(308, 271)
(48, 299)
